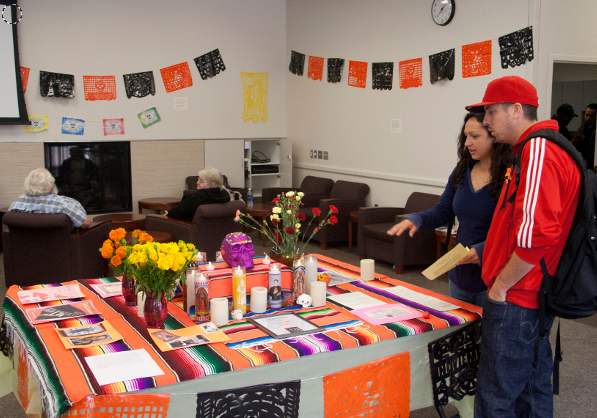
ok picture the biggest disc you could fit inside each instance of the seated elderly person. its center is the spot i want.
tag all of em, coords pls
(40, 197)
(210, 189)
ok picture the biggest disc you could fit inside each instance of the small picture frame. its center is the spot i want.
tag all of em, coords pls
(285, 325)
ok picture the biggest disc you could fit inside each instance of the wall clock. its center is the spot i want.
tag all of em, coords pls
(442, 11)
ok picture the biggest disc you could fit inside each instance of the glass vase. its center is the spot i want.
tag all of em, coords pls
(155, 310)
(129, 287)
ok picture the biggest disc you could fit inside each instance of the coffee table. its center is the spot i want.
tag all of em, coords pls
(123, 220)
(261, 211)
(160, 204)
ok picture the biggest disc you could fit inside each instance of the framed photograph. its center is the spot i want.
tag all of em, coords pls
(285, 325)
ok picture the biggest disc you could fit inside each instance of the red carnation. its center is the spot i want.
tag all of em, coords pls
(334, 209)
(301, 216)
(276, 200)
(333, 220)
(290, 230)
(316, 211)
(274, 222)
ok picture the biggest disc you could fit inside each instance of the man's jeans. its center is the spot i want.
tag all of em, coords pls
(507, 384)
(477, 299)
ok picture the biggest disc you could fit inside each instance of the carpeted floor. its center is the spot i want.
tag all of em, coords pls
(579, 338)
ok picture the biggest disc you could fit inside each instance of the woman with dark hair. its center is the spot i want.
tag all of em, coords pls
(471, 194)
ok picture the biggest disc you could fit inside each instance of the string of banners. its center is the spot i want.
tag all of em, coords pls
(516, 48)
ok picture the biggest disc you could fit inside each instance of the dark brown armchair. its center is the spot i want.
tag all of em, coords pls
(346, 196)
(191, 182)
(210, 225)
(314, 188)
(42, 248)
(401, 250)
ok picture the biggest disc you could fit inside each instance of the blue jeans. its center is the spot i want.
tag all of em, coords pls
(507, 384)
(477, 298)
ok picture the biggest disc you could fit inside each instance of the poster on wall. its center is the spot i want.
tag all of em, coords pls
(176, 77)
(476, 59)
(411, 73)
(210, 64)
(149, 117)
(357, 74)
(254, 96)
(113, 126)
(56, 85)
(139, 84)
(382, 75)
(297, 63)
(99, 87)
(516, 48)
(72, 126)
(335, 68)
(37, 123)
(315, 68)
(441, 66)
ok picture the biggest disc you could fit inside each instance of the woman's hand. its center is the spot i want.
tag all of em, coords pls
(470, 258)
(399, 228)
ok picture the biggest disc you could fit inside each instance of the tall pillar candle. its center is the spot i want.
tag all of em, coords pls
(239, 289)
(275, 287)
(201, 297)
(258, 299)
(310, 272)
(219, 311)
(140, 304)
(190, 291)
(318, 293)
(367, 269)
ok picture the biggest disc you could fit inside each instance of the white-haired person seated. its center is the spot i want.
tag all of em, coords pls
(40, 197)
(210, 189)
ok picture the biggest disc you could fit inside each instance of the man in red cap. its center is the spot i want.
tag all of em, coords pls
(529, 224)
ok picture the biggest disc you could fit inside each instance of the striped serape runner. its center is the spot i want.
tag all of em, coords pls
(64, 378)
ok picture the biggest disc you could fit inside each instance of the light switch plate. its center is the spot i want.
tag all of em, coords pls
(319, 155)
(325, 155)
(311, 153)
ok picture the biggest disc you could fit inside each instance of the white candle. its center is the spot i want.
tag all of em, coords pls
(200, 257)
(267, 260)
(318, 290)
(219, 311)
(310, 272)
(367, 269)
(258, 299)
(210, 267)
(190, 291)
(140, 303)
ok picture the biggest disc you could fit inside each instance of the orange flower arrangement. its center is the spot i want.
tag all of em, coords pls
(117, 250)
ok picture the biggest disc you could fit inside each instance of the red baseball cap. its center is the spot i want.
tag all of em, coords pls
(509, 89)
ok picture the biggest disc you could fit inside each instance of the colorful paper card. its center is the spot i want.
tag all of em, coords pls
(71, 126)
(24, 78)
(113, 126)
(108, 290)
(99, 87)
(167, 340)
(88, 335)
(476, 59)
(60, 312)
(71, 291)
(149, 117)
(254, 96)
(411, 73)
(176, 77)
(37, 123)
(357, 74)
(391, 312)
(315, 68)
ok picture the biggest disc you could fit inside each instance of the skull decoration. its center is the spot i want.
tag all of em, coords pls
(237, 314)
(237, 250)
(305, 300)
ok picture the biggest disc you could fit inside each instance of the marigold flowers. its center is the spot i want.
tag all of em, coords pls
(117, 250)
(117, 234)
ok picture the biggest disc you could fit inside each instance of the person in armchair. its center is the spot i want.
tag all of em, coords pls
(210, 189)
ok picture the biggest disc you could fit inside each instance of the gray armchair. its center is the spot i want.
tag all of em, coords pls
(211, 223)
(374, 242)
(42, 248)
(314, 188)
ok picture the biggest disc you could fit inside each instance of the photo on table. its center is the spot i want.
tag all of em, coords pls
(285, 325)
(87, 330)
(184, 342)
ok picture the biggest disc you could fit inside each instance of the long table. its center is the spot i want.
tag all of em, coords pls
(251, 358)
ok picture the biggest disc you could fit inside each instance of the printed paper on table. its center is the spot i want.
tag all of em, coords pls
(391, 312)
(99, 87)
(476, 59)
(60, 312)
(37, 123)
(88, 335)
(315, 68)
(107, 290)
(124, 365)
(357, 74)
(24, 78)
(176, 77)
(411, 73)
(355, 300)
(254, 96)
(446, 263)
(71, 291)
(207, 333)
(421, 298)
(113, 126)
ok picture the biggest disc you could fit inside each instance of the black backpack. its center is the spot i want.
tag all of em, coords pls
(572, 292)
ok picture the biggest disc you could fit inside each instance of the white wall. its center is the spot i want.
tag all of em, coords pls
(353, 124)
(116, 37)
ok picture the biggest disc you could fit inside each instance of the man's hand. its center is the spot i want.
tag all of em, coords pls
(399, 228)
(511, 274)
(470, 258)
(576, 139)
(86, 223)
